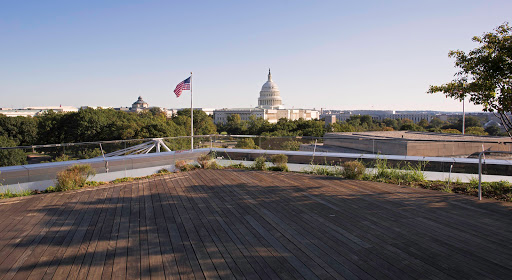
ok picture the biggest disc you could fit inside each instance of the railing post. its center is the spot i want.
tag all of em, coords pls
(480, 175)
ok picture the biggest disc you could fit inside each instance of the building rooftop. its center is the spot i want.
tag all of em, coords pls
(253, 224)
(415, 135)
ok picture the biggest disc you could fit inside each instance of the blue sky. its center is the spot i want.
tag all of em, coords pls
(323, 54)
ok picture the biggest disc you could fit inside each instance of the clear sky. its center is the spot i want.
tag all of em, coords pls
(323, 54)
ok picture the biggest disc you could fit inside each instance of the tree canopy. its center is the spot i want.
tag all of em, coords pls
(485, 74)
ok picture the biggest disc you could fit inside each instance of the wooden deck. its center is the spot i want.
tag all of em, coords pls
(257, 225)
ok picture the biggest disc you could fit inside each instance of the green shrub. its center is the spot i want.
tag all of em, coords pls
(237, 166)
(259, 163)
(291, 145)
(94, 183)
(278, 168)
(246, 143)
(323, 170)
(50, 189)
(163, 171)
(214, 165)
(451, 130)
(399, 174)
(121, 180)
(353, 170)
(205, 160)
(279, 160)
(184, 166)
(74, 177)
(10, 194)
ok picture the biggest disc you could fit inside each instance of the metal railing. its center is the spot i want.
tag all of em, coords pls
(480, 168)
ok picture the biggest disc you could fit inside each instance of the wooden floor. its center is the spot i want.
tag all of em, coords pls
(259, 225)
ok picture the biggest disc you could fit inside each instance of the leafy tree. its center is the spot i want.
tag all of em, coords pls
(391, 123)
(470, 122)
(366, 119)
(476, 130)
(203, 124)
(423, 123)
(291, 145)
(411, 126)
(9, 157)
(257, 125)
(485, 74)
(22, 130)
(436, 123)
(246, 143)
(493, 130)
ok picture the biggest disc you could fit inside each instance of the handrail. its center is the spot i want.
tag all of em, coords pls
(480, 168)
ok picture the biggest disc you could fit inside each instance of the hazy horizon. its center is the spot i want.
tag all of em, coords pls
(367, 55)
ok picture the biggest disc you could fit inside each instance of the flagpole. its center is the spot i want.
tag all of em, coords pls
(191, 117)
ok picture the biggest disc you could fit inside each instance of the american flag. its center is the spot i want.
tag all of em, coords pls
(184, 85)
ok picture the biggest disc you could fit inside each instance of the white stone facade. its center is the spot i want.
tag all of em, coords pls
(270, 107)
(270, 98)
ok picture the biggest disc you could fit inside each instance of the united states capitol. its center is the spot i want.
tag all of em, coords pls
(270, 108)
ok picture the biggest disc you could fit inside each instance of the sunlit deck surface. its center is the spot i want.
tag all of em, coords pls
(258, 225)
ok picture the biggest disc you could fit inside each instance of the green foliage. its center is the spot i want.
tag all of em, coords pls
(451, 130)
(493, 130)
(476, 131)
(62, 157)
(280, 163)
(122, 180)
(470, 121)
(411, 127)
(9, 157)
(406, 173)
(291, 145)
(22, 130)
(324, 170)
(184, 166)
(237, 166)
(485, 74)
(279, 159)
(163, 171)
(246, 143)
(10, 194)
(50, 189)
(353, 170)
(94, 183)
(74, 177)
(207, 161)
(282, 168)
(204, 160)
(423, 123)
(214, 165)
(259, 163)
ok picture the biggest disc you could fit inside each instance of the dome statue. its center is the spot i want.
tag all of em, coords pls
(270, 97)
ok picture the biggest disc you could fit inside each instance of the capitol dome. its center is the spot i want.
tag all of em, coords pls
(270, 97)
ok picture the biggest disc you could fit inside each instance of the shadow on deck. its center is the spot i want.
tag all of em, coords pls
(252, 224)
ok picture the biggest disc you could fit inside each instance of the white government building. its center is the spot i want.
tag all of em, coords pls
(270, 107)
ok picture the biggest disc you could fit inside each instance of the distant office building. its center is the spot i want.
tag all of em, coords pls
(270, 107)
(379, 115)
(35, 111)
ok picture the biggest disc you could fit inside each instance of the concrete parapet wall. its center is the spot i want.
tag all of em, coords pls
(117, 166)
(415, 148)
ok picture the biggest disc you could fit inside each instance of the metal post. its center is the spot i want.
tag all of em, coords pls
(191, 117)
(463, 118)
(480, 175)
